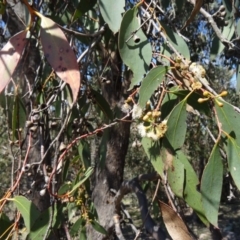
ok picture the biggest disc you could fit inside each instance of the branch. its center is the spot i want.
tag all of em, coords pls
(133, 185)
(210, 19)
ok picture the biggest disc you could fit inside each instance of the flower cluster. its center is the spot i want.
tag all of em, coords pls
(150, 128)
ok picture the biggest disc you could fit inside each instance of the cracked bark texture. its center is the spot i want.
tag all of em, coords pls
(110, 176)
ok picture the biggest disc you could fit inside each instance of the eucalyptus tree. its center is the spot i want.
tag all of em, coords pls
(80, 78)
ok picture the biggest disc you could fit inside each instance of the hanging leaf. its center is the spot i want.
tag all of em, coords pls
(59, 54)
(227, 33)
(10, 56)
(135, 54)
(176, 177)
(112, 13)
(229, 120)
(233, 157)
(102, 104)
(152, 149)
(83, 151)
(77, 227)
(98, 227)
(27, 209)
(150, 83)
(177, 126)
(174, 224)
(18, 117)
(211, 185)
(87, 174)
(41, 225)
(5, 224)
(191, 195)
(3, 5)
(178, 43)
(82, 7)
(198, 4)
(180, 4)
(192, 100)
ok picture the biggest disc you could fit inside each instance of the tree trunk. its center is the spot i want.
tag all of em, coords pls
(110, 176)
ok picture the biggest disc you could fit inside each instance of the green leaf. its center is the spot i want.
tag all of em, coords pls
(65, 187)
(191, 195)
(103, 148)
(3, 5)
(27, 209)
(150, 83)
(238, 72)
(98, 227)
(77, 227)
(83, 151)
(233, 157)
(5, 224)
(178, 43)
(192, 100)
(87, 174)
(229, 120)
(152, 149)
(176, 177)
(83, 7)
(169, 101)
(18, 117)
(10, 55)
(112, 13)
(177, 126)
(59, 54)
(211, 185)
(180, 4)
(227, 33)
(102, 104)
(65, 169)
(136, 55)
(41, 225)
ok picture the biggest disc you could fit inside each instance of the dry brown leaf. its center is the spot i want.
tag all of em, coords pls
(59, 54)
(196, 9)
(174, 224)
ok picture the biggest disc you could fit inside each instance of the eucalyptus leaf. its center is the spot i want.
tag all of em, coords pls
(176, 177)
(102, 104)
(135, 54)
(98, 227)
(177, 126)
(28, 210)
(211, 185)
(217, 45)
(41, 225)
(150, 83)
(152, 149)
(191, 195)
(112, 13)
(233, 157)
(5, 224)
(87, 174)
(178, 43)
(229, 119)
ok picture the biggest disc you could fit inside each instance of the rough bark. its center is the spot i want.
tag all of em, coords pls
(111, 175)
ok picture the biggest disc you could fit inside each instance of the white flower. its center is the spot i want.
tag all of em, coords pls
(142, 130)
(126, 108)
(153, 135)
(136, 112)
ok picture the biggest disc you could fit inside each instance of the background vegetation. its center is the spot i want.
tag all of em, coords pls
(101, 99)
